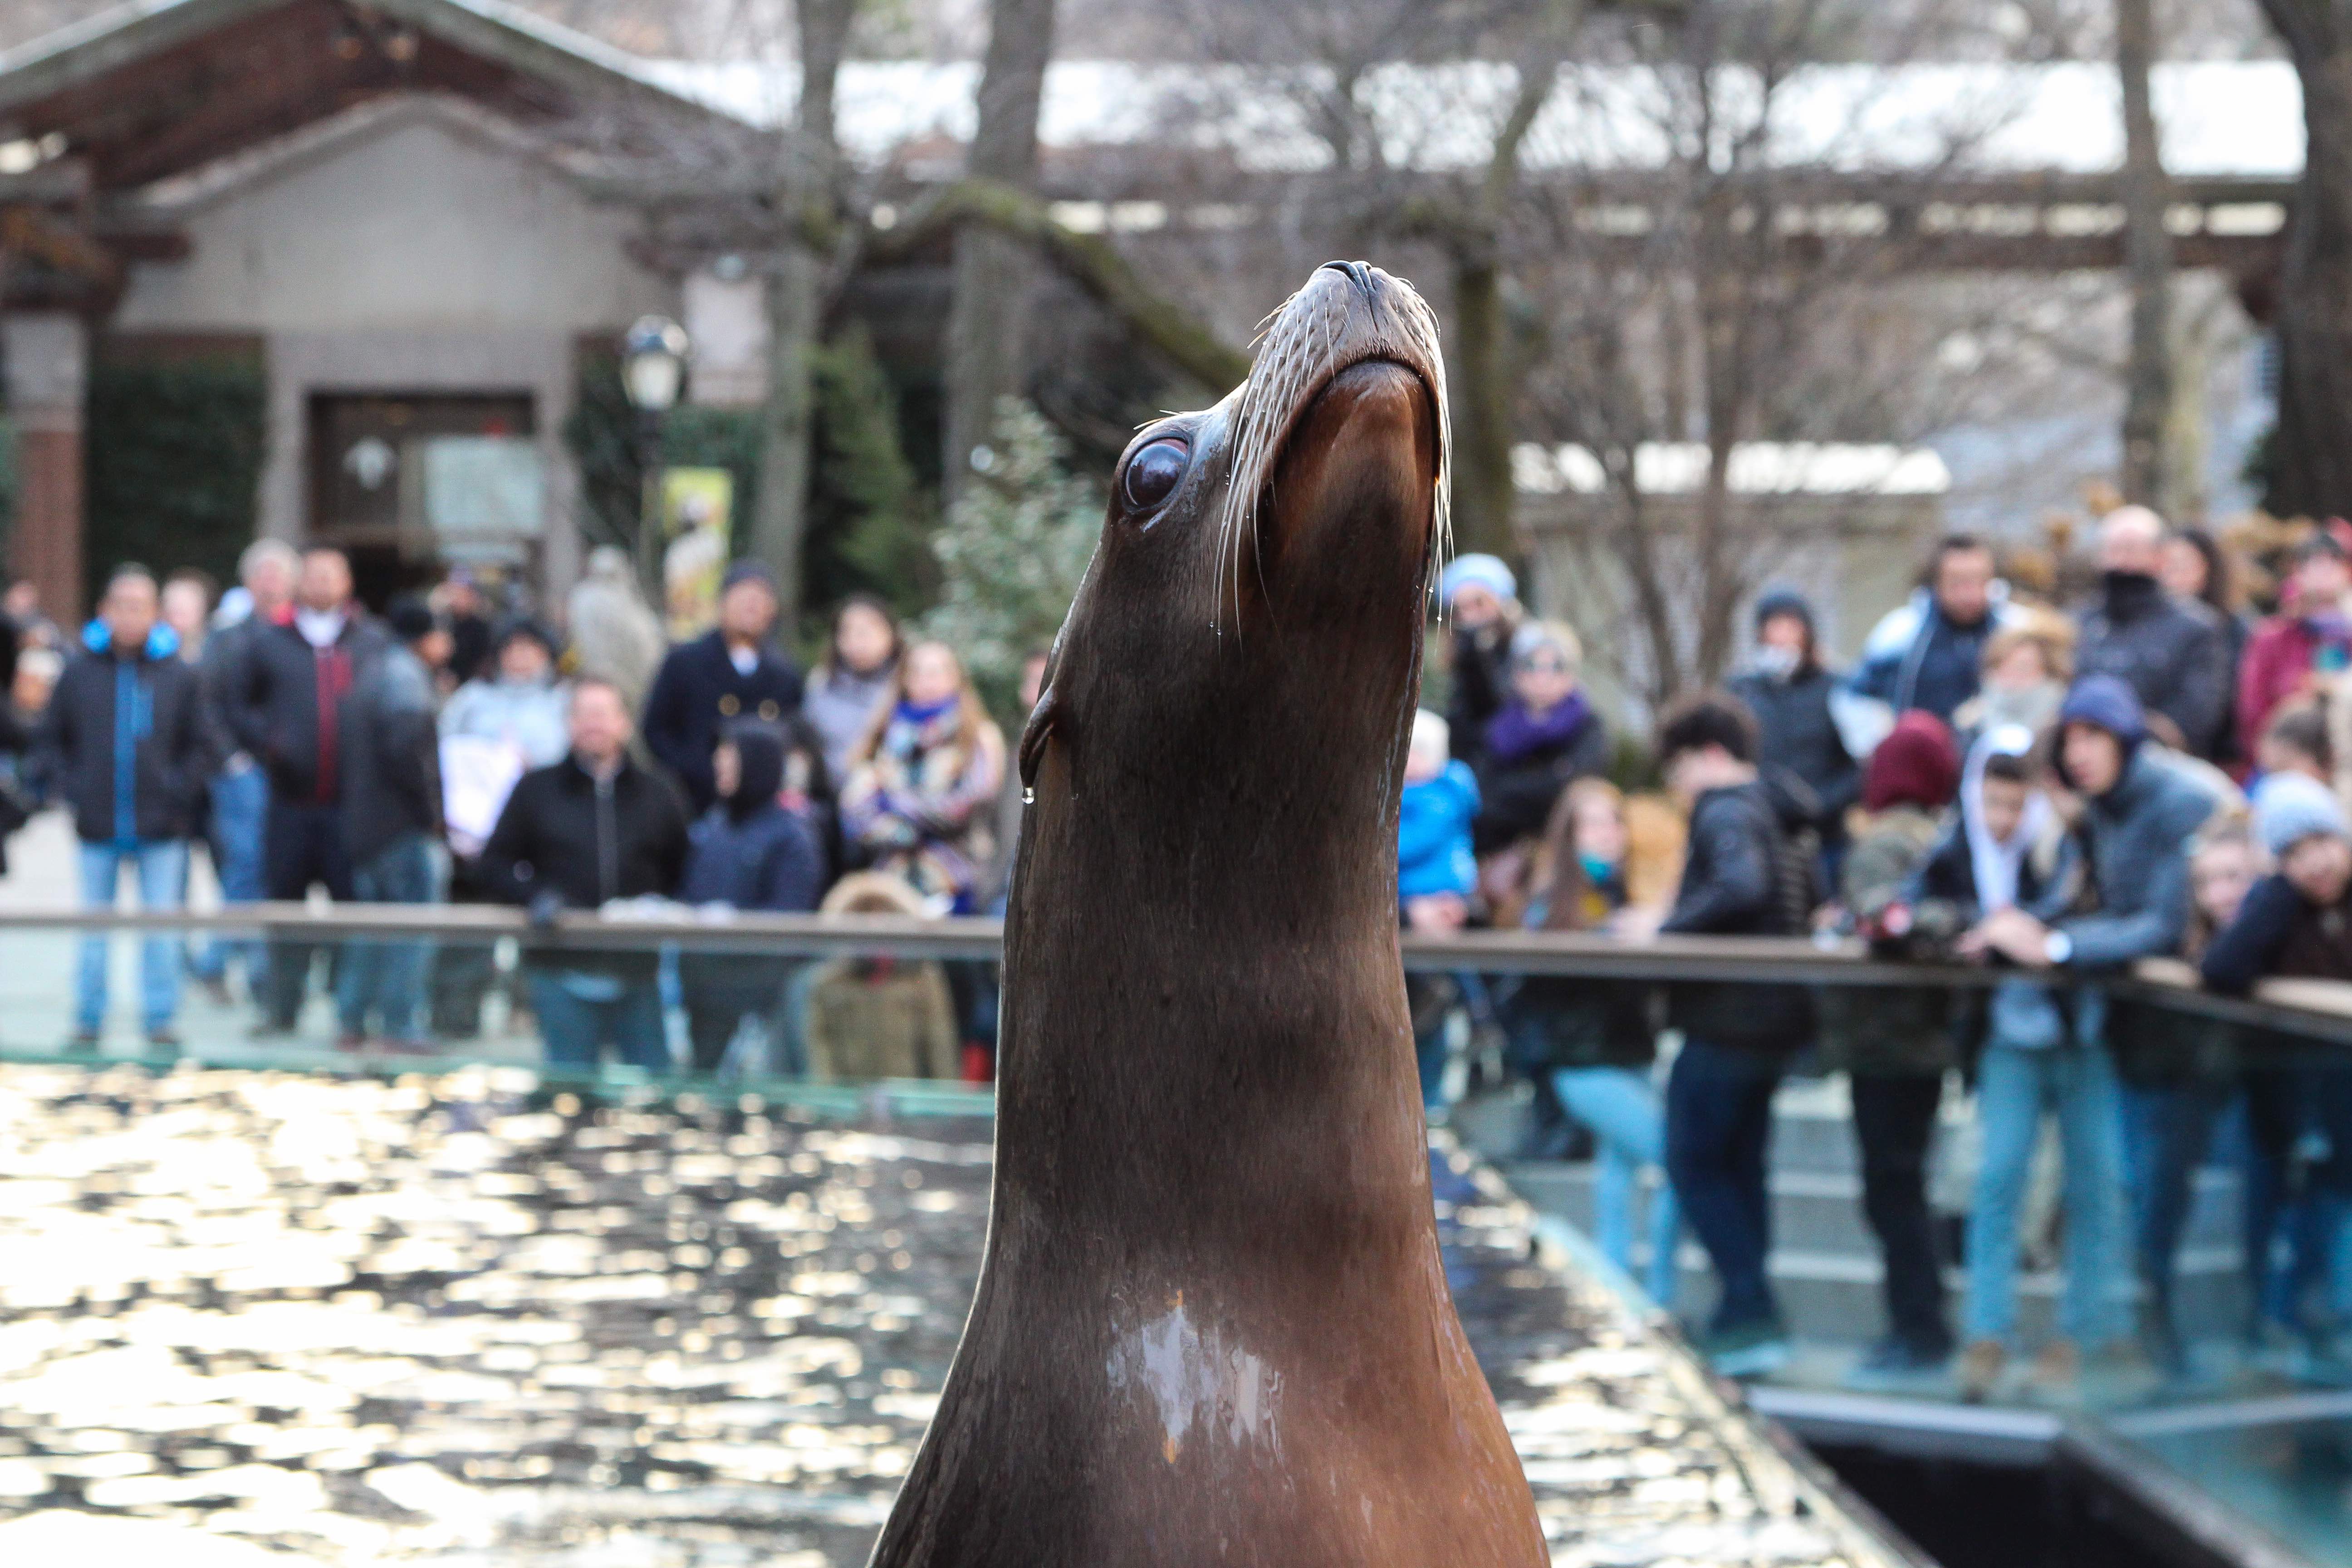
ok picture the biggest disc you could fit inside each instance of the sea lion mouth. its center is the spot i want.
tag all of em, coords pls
(1348, 313)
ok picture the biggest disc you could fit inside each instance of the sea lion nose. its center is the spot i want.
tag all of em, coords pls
(1357, 273)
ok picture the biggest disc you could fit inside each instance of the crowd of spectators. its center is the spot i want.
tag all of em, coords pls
(447, 750)
(2053, 790)
(2057, 791)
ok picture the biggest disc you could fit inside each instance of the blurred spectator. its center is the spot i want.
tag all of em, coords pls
(392, 814)
(2048, 1044)
(1589, 1045)
(751, 853)
(1737, 1037)
(918, 796)
(1927, 652)
(852, 681)
(1895, 1042)
(577, 835)
(735, 671)
(1546, 733)
(1436, 875)
(2174, 653)
(22, 606)
(1480, 597)
(615, 633)
(2195, 566)
(2297, 742)
(240, 790)
(287, 710)
(998, 884)
(2178, 1080)
(2290, 654)
(513, 717)
(187, 609)
(2296, 922)
(37, 670)
(458, 602)
(879, 1017)
(2028, 665)
(127, 749)
(1788, 689)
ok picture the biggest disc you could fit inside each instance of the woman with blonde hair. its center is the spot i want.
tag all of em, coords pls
(1589, 1045)
(922, 786)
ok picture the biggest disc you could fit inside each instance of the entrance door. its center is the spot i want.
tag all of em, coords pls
(410, 485)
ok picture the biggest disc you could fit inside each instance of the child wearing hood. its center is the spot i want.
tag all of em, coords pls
(750, 853)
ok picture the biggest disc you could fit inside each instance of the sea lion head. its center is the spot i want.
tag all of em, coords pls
(1252, 612)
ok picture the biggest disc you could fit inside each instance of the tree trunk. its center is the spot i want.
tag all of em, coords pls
(796, 281)
(1484, 489)
(2147, 265)
(989, 316)
(2313, 452)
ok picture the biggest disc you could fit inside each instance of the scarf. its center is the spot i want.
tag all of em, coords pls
(1997, 863)
(1517, 732)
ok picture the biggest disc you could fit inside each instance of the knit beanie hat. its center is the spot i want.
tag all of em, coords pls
(2291, 808)
(2107, 702)
(1917, 764)
(748, 569)
(1478, 570)
(1784, 602)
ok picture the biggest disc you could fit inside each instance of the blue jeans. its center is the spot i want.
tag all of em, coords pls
(2014, 1086)
(579, 1013)
(387, 978)
(163, 869)
(2166, 1130)
(1718, 1128)
(239, 829)
(1623, 1110)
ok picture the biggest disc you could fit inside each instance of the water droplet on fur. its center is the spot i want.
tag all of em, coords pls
(1028, 796)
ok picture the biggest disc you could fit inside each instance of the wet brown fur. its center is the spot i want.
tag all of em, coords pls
(1212, 1326)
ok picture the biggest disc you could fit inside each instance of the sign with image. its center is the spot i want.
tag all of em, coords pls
(696, 508)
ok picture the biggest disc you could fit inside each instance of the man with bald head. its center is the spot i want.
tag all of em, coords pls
(2174, 653)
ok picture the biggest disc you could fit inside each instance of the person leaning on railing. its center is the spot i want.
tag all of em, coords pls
(578, 834)
(1894, 1042)
(2296, 922)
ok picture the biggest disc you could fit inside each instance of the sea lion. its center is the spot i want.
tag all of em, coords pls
(1212, 1325)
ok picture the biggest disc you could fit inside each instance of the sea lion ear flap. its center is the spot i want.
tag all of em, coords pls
(1034, 736)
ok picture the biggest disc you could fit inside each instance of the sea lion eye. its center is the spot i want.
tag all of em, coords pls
(1153, 473)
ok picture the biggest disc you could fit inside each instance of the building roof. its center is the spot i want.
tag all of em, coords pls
(1816, 468)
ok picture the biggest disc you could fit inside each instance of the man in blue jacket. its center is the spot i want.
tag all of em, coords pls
(125, 744)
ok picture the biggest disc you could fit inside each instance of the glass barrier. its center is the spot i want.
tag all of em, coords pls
(692, 1207)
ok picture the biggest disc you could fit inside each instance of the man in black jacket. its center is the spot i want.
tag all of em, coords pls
(125, 744)
(577, 835)
(287, 713)
(391, 820)
(735, 671)
(1737, 1037)
(2174, 653)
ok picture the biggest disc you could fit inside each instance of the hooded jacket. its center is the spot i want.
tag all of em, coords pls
(1433, 834)
(1913, 658)
(748, 852)
(2135, 842)
(125, 742)
(2174, 653)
